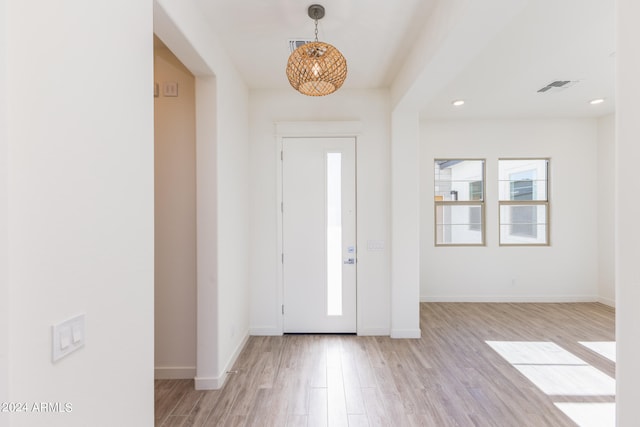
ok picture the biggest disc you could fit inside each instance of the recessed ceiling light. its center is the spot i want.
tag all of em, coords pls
(458, 102)
(596, 101)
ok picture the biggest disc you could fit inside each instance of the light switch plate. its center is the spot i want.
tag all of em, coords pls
(375, 245)
(170, 89)
(68, 336)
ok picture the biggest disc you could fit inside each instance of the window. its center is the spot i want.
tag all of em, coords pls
(524, 201)
(459, 202)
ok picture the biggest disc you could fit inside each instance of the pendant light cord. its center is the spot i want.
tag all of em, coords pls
(316, 29)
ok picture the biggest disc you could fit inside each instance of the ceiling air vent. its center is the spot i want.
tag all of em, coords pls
(294, 44)
(558, 85)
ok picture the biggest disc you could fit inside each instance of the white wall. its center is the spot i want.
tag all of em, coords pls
(371, 108)
(4, 249)
(233, 176)
(627, 212)
(606, 210)
(175, 220)
(405, 224)
(80, 152)
(222, 176)
(565, 271)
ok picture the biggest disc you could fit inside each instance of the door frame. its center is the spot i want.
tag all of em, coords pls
(319, 129)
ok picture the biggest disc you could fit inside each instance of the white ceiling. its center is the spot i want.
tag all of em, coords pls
(542, 41)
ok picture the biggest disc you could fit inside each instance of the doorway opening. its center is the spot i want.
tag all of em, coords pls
(175, 216)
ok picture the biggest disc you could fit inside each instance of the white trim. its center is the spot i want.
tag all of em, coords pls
(265, 332)
(208, 383)
(174, 372)
(607, 301)
(234, 357)
(279, 149)
(513, 299)
(302, 129)
(319, 129)
(216, 383)
(374, 332)
(406, 333)
(207, 340)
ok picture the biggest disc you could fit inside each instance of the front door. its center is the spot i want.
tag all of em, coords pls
(319, 235)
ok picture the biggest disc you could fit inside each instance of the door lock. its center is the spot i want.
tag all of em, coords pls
(350, 261)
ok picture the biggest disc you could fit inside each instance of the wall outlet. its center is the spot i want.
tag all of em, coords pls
(68, 336)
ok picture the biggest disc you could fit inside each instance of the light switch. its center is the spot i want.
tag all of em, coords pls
(65, 338)
(76, 333)
(68, 336)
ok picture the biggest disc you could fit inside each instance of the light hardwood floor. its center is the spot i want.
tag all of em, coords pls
(449, 377)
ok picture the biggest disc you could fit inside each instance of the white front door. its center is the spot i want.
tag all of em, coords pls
(319, 234)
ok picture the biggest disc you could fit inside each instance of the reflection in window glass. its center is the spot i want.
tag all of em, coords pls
(524, 204)
(518, 226)
(459, 202)
(453, 226)
(523, 179)
(475, 212)
(459, 180)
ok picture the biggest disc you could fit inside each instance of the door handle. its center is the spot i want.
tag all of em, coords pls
(349, 261)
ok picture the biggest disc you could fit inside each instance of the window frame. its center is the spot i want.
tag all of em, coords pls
(471, 203)
(546, 203)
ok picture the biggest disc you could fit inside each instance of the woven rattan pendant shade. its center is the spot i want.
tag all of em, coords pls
(316, 68)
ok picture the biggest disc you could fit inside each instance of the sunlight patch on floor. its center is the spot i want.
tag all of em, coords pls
(534, 353)
(603, 348)
(558, 372)
(590, 414)
(561, 380)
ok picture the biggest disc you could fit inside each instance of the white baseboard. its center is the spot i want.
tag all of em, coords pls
(374, 332)
(607, 301)
(512, 298)
(175, 372)
(406, 333)
(216, 383)
(272, 332)
(208, 383)
(265, 332)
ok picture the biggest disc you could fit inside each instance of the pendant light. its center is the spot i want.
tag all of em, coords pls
(316, 68)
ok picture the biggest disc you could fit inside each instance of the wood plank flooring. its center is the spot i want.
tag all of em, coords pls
(449, 377)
